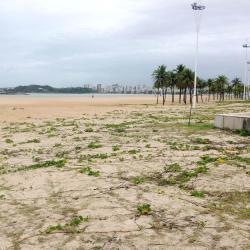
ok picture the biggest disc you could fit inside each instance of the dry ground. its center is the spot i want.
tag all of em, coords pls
(136, 177)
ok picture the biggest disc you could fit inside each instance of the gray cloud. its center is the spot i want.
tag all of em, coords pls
(78, 42)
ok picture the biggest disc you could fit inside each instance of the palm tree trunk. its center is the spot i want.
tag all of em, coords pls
(180, 95)
(172, 90)
(185, 96)
(157, 96)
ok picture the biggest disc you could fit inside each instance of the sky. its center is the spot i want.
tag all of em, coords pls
(76, 42)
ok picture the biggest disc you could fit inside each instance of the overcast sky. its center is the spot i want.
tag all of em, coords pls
(71, 42)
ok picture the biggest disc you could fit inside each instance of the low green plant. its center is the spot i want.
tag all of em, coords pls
(68, 227)
(207, 159)
(183, 176)
(144, 209)
(137, 180)
(9, 141)
(36, 140)
(198, 194)
(133, 151)
(243, 132)
(90, 172)
(56, 163)
(89, 157)
(94, 145)
(175, 167)
(243, 159)
(116, 148)
(200, 140)
(245, 214)
(89, 130)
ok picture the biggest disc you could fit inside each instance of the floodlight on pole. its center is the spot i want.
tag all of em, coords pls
(245, 46)
(197, 8)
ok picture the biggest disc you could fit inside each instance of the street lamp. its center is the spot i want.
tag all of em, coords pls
(248, 81)
(197, 8)
(245, 46)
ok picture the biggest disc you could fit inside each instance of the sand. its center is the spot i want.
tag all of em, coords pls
(15, 108)
(121, 173)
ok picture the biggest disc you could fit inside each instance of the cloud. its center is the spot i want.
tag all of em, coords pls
(64, 42)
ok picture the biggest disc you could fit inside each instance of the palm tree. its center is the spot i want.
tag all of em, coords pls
(188, 82)
(172, 79)
(179, 81)
(201, 85)
(236, 83)
(160, 78)
(221, 82)
(210, 87)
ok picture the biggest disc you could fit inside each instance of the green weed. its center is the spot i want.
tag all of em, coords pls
(144, 209)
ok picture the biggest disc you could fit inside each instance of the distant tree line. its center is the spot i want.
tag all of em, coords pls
(48, 89)
(180, 82)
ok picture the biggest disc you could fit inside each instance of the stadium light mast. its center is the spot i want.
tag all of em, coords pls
(245, 46)
(197, 8)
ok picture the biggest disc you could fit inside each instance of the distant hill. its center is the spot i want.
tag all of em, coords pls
(46, 89)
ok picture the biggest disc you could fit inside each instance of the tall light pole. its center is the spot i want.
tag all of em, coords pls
(197, 8)
(248, 80)
(245, 46)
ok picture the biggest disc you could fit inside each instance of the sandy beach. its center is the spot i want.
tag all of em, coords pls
(15, 107)
(121, 173)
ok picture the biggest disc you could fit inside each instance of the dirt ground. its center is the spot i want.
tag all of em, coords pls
(122, 173)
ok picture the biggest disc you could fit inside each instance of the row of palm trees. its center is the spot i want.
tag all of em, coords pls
(180, 81)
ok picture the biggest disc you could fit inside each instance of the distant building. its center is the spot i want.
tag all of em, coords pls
(99, 88)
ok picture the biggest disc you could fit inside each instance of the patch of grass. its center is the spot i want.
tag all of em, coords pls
(182, 177)
(197, 126)
(56, 163)
(70, 227)
(243, 159)
(182, 146)
(94, 145)
(90, 172)
(243, 132)
(45, 164)
(133, 151)
(9, 141)
(120, 128)
(200, 140)
(207, 159)
(36, 140)
(116, 148)
(89, 130)
(234, 203)
(198, 194)
(175, 167)
(245, 214)
(144, 209)
(89, 157)
(137, 180)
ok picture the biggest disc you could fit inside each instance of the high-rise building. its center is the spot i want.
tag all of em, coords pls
(99, 88)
